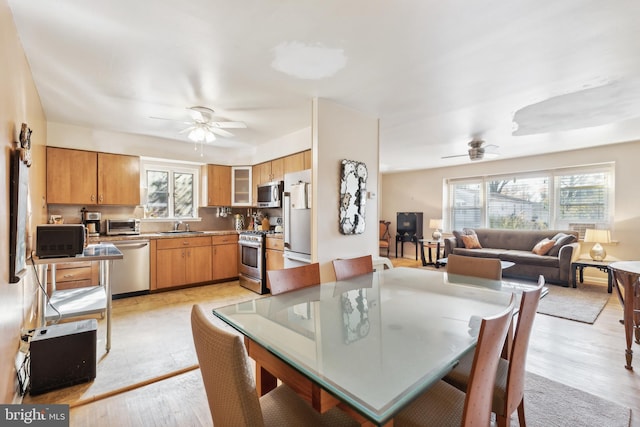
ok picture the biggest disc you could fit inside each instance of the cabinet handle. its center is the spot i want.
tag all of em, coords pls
(68, 276)
(93, 197)
(101, 198)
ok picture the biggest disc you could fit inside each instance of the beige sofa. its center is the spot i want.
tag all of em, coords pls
(517, 246)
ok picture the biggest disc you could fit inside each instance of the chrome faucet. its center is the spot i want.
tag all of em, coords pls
(176, 225)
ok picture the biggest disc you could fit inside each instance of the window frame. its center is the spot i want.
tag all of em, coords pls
(553, 192)
(172, 168)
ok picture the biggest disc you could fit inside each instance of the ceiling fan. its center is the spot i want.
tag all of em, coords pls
(478, 151)
(202, 127)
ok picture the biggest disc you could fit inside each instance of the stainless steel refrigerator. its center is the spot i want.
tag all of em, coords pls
(296, 217)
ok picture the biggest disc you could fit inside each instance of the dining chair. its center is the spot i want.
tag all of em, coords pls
(508, 392)
(443, 405)
(486, 268)
(231, 390)
(384, 236)
(350, 267)
(289, 279)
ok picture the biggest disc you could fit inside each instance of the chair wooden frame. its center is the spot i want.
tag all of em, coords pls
(509, 387)
(351, 267)
(384, 236)
(486, 268)
(290, 279)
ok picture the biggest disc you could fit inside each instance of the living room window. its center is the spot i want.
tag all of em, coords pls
(171, 190)
(570, 198)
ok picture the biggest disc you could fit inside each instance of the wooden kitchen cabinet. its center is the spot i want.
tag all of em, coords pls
(225, 256)
(74, 275)
(294, 163)
(91, 178)
(218, 185)
(183, 261)
(274, 255)
(241, 185)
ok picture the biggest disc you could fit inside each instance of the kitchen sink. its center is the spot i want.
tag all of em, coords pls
(181, 232)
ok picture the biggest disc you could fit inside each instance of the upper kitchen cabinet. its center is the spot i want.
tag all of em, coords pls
(218, 185)
(241, 185)
(90, 178)
(118, 179)
(297, 162)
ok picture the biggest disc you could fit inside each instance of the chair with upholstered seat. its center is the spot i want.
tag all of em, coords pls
(486, 268)
(384, 236)
(444, 405)
(230, 386)
(508, 394)
(293, 278)
(351, 267)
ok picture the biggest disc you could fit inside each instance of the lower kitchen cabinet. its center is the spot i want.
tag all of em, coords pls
(183, 261)
(274, 255)
(225, 256)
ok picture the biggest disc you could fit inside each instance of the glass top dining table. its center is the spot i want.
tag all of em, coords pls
(375, 341)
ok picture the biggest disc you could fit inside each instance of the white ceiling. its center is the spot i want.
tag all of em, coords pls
(436, 73)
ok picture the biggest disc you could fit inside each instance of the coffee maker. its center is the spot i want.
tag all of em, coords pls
(91, 221)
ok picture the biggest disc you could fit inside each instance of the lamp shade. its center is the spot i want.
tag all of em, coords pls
(597, 236)
(435, 224)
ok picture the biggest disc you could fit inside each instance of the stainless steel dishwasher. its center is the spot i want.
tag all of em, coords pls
(130, 275)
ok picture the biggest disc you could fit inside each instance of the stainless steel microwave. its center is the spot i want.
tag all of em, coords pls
(270, 194)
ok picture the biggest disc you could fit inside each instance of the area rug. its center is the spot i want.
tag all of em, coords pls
(550, 404)
(582, 304)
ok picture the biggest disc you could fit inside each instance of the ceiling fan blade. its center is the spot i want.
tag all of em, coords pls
(456, 155)
(229, 125)
(171, 120)
(220, 132)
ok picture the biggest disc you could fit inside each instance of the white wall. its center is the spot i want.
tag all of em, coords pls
(422, 191)
(340, 133)
(19, 103)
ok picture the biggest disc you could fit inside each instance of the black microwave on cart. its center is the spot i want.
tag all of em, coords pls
(270, 194)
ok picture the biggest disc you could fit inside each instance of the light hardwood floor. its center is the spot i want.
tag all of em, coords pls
(587, 357)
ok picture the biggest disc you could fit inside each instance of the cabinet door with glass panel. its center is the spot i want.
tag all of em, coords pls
(241, 181)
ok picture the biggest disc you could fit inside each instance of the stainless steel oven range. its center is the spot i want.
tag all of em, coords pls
(251, 261)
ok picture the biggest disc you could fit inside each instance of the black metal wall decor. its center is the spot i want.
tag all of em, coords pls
(353, 197)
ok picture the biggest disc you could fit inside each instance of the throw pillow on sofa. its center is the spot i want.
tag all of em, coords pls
(561, 239)
(543, 246)
(471, 241)
(465, 232)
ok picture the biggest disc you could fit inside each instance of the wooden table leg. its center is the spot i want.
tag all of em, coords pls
(627, 300)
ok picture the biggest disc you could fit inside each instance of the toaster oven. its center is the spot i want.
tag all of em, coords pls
(120, 227)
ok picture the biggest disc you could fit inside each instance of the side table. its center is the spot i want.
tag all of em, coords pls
(581, 264)
(401, 238)
(430, 244)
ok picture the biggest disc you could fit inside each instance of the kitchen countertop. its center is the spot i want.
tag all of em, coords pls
(158, 235)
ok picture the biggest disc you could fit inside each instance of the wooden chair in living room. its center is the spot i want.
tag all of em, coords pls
(290, 279)
(231, 390)
(351, 267)
(508, 393)
(443, 405)
(486, 268)
(385, 236)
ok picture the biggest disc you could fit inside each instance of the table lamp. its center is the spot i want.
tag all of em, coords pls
(597, 252)
(436, 224)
